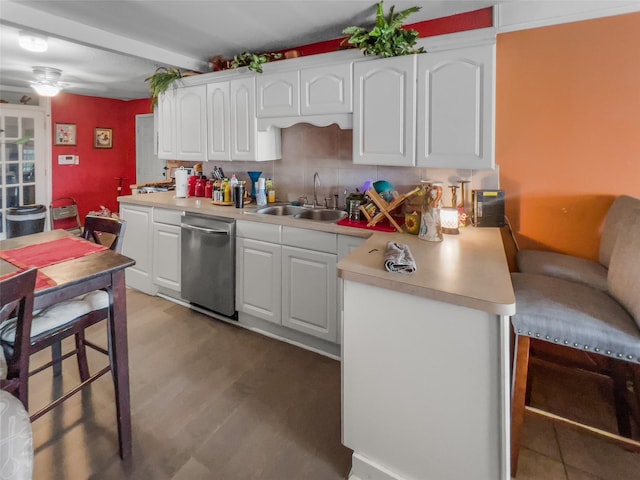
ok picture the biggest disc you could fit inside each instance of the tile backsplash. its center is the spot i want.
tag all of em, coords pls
(307, 149)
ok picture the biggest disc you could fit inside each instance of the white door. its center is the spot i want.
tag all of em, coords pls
(148, 167)
(23, 173)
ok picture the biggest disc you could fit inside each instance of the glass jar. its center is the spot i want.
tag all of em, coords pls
(430, 228)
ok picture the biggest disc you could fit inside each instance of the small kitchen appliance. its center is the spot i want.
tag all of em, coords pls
(488, 208)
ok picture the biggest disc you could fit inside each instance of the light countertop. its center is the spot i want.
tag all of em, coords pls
(469, 269)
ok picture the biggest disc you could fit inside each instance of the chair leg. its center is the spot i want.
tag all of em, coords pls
(56, 358)
(620, 374)
(518, 395)
(81, 355)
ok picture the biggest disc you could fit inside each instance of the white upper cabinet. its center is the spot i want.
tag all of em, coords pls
(278, 94)
(219, 121)
(191, 123)
(166, 125)
(384, 113)
(327, 89)
(307, 91)
(455, 108)
(247, 143)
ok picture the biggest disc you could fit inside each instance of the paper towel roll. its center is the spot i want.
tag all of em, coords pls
(182, 186)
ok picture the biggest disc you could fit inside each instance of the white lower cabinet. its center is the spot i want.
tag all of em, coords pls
(258, 285)
(288, 276)
(137, 240)
(166, 249)
(309, 292)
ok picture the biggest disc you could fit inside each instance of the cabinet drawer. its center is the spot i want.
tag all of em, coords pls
(170, 217)
(310, 239)
(259, 231)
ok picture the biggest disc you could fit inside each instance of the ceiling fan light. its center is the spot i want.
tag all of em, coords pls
(33, 42)
(46, 89)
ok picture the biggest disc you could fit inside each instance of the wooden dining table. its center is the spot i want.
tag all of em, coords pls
(70, 277)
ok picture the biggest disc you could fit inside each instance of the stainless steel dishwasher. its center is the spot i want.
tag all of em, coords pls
(208, 262)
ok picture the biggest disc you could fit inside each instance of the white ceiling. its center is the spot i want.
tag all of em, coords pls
(108, 48)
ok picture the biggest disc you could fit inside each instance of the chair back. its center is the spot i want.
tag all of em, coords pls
(63, 213)
(619, 214)
(106, 231)
(16, 300)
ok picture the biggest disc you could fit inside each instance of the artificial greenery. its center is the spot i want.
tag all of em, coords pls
(387, 38)
(253, 61)
(161, 80)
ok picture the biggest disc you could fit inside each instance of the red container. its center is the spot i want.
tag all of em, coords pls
(208, 190)
(191, 182)
(200, 184)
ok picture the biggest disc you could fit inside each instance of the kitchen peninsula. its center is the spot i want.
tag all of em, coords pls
(425, 356)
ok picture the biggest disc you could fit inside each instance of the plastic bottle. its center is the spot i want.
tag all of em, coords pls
(227, 190)
(261, 194)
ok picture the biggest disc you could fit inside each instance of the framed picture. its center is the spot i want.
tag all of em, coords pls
(65, 134)
(103, 138)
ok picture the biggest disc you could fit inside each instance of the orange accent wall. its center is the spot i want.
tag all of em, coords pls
(568, 128)
(94, 181)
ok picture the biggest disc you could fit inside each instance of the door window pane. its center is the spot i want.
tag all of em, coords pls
(13, 199)
(12, 173)
(12, 152)
(29, 195)
(11, 127)
(28, 172)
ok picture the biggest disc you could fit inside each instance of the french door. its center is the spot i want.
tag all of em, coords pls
(23, 169)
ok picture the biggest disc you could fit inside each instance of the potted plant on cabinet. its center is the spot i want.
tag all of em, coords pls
(387, 38)
(162, 79)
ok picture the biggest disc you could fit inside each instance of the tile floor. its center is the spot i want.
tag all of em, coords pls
(551, 451)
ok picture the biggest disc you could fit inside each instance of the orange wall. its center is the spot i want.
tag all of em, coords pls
(568, 128)
(94, 181)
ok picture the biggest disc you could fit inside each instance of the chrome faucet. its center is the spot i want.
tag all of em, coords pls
(316, 184)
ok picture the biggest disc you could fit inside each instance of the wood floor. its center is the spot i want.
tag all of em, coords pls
(217, 402)
(209, 401)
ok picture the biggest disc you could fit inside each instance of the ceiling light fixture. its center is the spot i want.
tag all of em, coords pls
(46, 84)
(33, 42)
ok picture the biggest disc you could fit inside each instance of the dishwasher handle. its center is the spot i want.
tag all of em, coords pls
(204, 230)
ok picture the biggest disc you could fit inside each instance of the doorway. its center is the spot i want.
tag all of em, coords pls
(149, 168)
(23, 172)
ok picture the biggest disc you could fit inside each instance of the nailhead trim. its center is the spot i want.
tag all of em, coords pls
(585, 347)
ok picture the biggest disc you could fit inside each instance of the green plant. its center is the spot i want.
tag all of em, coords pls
(253, 61)
(387, 38)
(161, 80)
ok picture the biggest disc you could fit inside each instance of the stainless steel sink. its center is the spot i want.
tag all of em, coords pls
(321, 215)
(280, 210)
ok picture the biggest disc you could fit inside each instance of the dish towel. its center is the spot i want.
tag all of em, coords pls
(398, 258)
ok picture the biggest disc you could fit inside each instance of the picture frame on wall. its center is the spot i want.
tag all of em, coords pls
(65, 134)
(103, 138)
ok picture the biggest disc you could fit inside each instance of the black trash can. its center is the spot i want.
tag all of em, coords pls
(25, 220)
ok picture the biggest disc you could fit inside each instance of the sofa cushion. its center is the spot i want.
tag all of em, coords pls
(574, 315)
(559, 265)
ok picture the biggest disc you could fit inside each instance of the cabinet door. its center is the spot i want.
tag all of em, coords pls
(191, 123)
(309, 292)
(384, 111)
(219, 120)
(456, 108)
(166, 256)
(166, 125)
(137, 240)
(258, 279)
(243, 119)
(278, 94)
(326, 89)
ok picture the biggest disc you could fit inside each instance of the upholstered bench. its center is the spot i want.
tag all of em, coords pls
(576, 315)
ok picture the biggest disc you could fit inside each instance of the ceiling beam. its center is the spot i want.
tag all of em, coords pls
(44, 23)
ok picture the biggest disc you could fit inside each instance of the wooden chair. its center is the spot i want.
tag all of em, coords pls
(16, 302)
(63, 213)
(604, 324)
(71, 318)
